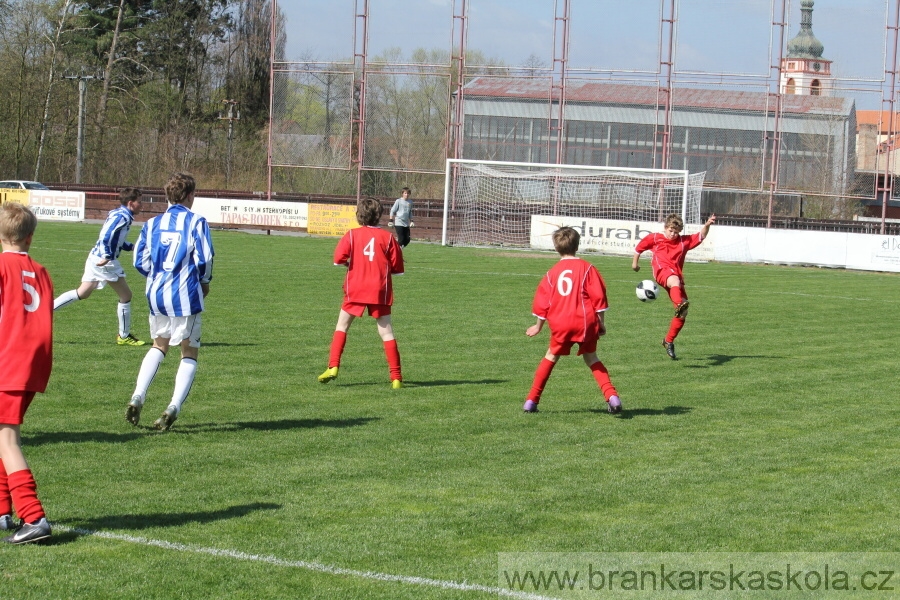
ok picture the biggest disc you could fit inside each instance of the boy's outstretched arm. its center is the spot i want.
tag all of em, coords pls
(634, 262)
(535, 329)
(705, 231)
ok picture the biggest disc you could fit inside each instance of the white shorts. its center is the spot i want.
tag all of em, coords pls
(111, 271)
(177, 329)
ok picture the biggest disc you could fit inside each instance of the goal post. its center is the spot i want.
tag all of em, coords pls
(492, 202)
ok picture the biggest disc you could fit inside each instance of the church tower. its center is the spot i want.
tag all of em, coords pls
(803, 70)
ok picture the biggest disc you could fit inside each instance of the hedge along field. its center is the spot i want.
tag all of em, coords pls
(774, 431)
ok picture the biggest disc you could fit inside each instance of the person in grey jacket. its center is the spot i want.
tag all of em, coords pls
(401, 216)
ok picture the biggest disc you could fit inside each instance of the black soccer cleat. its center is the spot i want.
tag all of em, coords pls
(681, 309)
(30, 532)
(670, 349)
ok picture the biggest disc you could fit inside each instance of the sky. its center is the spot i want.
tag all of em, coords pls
(716, 36)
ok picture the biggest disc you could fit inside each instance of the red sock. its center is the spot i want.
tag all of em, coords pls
(24, 496)
(393, 358)
(337, 348)
(674, 328)
(598, 370)
(5, 498)
(677, 295)
(541, 375)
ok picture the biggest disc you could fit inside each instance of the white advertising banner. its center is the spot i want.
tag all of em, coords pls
(610, 236)
(49, 205)
(873, 252)
(252, 213)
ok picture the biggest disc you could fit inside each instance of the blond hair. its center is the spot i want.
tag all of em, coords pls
(17, 222)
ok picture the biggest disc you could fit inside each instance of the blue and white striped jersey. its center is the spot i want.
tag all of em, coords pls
(175, 253)
(113, 234)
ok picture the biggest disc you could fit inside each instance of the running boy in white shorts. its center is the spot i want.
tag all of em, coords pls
(175, 253)
(102, 266)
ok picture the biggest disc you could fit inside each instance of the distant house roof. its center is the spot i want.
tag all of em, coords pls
(646, 95)
(876, 117)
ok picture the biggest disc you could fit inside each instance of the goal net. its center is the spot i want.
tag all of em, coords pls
(492, 203)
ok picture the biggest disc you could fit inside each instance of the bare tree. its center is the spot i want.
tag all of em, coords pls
(60, 25)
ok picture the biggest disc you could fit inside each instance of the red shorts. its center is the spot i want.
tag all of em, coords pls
(562, 347)
(376, 311)
(663, 276)
(13, 406)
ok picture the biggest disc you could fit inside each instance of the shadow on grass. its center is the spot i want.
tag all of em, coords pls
(630, 413)
(163, 519)
(105, 437)
(717, 360)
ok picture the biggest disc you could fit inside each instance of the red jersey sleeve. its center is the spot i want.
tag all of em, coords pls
(395, 256)
(595, 289)
(541, 304)
(692, 241)
(646, 243)
(342, 250)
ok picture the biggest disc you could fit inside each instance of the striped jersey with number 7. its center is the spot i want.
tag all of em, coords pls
(174, 252)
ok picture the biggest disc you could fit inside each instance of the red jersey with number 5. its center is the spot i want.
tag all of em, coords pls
(26, 324)
(569, 298)
(372, 256)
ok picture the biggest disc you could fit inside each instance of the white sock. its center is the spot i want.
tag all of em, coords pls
(184, 379)
(66, 299)
(124, 314)
(149, 367)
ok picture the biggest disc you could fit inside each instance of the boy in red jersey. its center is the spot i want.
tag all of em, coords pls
(26, 357)
(669, 249)
(572, 299)
(371, 256)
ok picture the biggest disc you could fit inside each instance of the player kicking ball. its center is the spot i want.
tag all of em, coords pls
(571, 298)
(371, 256)
(669, 250)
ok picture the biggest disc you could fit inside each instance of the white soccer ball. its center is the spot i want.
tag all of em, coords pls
(647, 290)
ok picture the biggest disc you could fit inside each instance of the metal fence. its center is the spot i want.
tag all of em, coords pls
(781, 132)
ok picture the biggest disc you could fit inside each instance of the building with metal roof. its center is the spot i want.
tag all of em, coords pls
(726, 133)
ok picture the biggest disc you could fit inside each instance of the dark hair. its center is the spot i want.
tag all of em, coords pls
(406, 189)
(129, 194)
(369, 211)
(565, 240)
(179, 187)
(17, 222)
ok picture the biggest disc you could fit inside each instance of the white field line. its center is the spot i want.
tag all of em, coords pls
(310, 566)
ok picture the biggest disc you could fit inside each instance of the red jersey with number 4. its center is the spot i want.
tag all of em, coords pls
(668, 254)
(372, 255)
(26, 324)
(569, 298)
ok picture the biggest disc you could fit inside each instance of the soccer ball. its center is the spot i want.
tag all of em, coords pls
(647, 290)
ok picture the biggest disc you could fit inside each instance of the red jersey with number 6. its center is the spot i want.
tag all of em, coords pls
(26, 324)
(372, 256)
(569, 298)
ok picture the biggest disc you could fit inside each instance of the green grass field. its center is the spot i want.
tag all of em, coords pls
(775, 431)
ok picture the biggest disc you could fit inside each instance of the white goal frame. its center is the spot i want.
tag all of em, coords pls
(661, 182)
